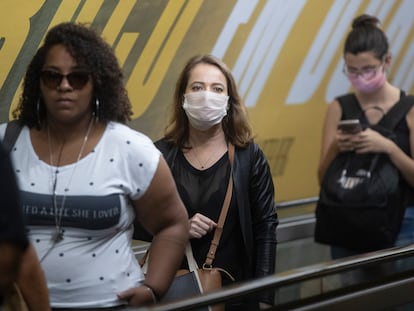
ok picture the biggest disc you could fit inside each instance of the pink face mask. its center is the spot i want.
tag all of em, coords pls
(371, 85)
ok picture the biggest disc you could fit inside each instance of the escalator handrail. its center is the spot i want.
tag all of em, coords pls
(298, 202)
(288, 278)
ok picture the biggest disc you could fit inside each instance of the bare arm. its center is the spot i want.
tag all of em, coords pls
(32, 282)
(163, 214)
(401, 160)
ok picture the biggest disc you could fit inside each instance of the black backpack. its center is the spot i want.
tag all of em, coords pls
(361, 200)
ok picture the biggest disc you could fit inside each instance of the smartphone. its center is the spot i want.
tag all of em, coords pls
(351, 126)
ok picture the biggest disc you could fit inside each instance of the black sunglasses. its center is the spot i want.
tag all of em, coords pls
(77, 79)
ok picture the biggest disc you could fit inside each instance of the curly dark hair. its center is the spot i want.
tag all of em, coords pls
(366, 36)
(89, 50)
(236, 127)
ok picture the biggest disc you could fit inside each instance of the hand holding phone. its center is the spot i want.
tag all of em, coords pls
(352, 126)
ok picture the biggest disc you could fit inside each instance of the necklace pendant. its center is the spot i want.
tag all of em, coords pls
(57, 236)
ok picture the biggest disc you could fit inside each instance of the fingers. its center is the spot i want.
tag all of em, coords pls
(359, 144)
(200, 225)
(126, 295)
(136, 296)
(363, 147)
(345, 143)
(364, 142)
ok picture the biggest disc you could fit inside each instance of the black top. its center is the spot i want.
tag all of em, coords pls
(203, 191)
(253, 204)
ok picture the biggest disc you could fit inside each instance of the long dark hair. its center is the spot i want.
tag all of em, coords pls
(366, 36)
(89, 50)
(235, 124)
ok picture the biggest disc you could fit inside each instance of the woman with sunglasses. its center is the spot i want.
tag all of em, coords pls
(367, 61)
(84, 175)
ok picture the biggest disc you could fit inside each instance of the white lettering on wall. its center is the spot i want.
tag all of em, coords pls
(398, 33)
(266, 40)
(263, 45)
(322, 52)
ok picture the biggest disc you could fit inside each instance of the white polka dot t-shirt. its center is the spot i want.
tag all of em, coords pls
(94, 261)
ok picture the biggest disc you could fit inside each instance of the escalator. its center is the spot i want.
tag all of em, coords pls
(306, 278)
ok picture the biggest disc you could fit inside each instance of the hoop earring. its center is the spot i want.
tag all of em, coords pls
(96, 110)
(39, 123)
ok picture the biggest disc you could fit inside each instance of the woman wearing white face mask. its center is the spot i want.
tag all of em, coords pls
(205, 109)
(208, 118)
(367, 61)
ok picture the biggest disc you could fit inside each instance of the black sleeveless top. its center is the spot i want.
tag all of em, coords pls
(402, 139)
(203, 191)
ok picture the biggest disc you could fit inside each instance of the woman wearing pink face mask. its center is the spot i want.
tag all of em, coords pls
(208, 117)
(367, 61)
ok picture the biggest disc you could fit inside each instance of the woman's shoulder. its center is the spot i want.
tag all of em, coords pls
(163, 142)
(165, 145)
(2, 130)
(251, 145)
(123, 132)
(122, 137)
(251, 150)
(410, 114)
(345, 97)
(252, 158)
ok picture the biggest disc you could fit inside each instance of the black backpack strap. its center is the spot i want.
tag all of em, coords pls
(13, 129)
(350, 106)
(352, 110)
(397, 112)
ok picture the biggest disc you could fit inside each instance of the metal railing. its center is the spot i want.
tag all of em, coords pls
(296, 227)
(372, 297)
(373, 291)
(298, 202)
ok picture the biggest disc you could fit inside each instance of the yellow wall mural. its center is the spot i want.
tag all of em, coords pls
(286, 57)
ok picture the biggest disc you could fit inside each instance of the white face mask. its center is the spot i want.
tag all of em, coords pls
(205, 109)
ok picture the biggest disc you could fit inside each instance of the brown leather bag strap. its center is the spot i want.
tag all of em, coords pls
(220, 224)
